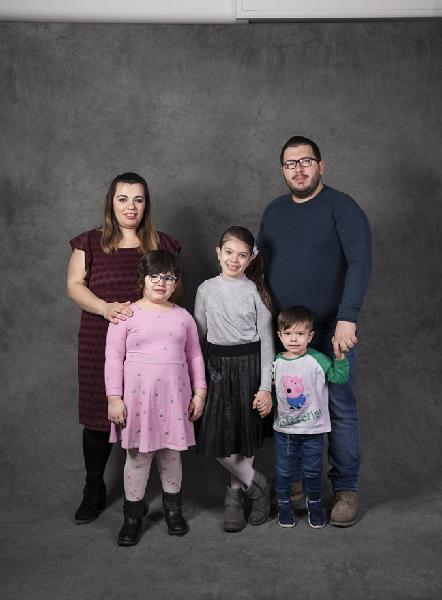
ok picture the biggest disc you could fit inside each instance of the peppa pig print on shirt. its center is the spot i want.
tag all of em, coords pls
(294, 391)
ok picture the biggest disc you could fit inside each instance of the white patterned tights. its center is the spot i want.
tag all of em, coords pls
(137, 469)
(240, 467)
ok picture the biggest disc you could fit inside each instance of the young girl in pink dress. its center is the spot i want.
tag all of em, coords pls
(153, 362)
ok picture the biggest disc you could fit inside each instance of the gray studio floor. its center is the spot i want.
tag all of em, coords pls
(392, 553)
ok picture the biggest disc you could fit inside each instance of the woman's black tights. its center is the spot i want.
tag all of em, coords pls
(96, 451)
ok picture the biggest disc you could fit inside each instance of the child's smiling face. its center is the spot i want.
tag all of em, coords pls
(296, 338)
(234, 257)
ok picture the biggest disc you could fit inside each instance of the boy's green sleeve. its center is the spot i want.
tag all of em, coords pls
(335, 372)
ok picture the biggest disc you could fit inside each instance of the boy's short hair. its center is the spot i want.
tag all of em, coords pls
(295, 314)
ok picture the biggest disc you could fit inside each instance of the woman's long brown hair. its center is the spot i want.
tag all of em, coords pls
(110, 230)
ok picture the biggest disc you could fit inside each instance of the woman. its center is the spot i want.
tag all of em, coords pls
(102, 280)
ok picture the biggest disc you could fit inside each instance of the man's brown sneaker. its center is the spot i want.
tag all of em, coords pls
(345, 509)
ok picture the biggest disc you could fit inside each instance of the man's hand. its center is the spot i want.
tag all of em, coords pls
(345, 338)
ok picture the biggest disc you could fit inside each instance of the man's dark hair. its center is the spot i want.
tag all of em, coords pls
(293, 315)
(299, 140)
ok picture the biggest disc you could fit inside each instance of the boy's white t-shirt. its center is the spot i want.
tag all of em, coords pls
(302, 391)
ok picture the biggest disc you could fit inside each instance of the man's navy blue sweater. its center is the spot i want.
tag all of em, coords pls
(318, 254)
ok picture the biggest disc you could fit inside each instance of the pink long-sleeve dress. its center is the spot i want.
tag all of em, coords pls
(153, 360)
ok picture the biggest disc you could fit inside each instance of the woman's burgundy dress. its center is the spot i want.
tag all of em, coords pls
(111, 277)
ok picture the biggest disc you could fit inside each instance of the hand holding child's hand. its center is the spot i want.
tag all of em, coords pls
(196, 405)
(263, 403)
(116, 410)
(345, 337)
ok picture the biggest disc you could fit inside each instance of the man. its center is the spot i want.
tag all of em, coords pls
(316, 245)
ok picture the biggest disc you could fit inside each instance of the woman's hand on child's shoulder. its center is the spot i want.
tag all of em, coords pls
(116, 410)
(196, 405)
(263, 403)
(116, 311)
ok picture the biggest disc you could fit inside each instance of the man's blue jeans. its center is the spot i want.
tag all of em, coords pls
(343, 440)
(290, 449)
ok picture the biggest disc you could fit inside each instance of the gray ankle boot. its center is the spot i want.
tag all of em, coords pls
(234, 510)
(259, 492)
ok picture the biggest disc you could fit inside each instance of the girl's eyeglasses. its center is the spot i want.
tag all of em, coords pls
(168, 279)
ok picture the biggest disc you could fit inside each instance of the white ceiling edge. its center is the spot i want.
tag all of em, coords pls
(211, 11)
(337, 9)
(115, 11)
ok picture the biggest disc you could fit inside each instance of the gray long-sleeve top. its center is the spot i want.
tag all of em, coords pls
(229, 311)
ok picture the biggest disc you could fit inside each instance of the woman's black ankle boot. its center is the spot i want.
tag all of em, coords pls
(94, 501)
(176, 524)
(130, 533)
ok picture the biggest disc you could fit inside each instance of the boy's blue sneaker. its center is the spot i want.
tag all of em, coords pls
(316, 517)
(286, 518)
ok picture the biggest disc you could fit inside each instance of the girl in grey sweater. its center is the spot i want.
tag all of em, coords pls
(233, 315)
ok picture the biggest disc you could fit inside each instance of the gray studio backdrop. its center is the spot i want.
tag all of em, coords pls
(201, 112)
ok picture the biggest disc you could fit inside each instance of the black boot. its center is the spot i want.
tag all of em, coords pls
(176, 525)
(94, 501)
(130, 533)
(96, 450)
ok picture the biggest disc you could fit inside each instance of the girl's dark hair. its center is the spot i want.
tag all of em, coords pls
(110, 230)
(157, 261)
(255, 271)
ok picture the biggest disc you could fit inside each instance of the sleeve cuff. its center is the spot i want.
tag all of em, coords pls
(199, 385)
(264, 388)
(114, 392)
(349, 319)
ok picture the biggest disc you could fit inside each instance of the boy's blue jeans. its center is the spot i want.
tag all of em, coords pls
(343, 440)
(291, 449)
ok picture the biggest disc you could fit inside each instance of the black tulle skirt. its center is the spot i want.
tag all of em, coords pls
(229, 424)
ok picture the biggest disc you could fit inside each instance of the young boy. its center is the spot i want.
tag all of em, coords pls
(301, 416)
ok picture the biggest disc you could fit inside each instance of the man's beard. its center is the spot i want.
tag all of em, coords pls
(304, 192)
